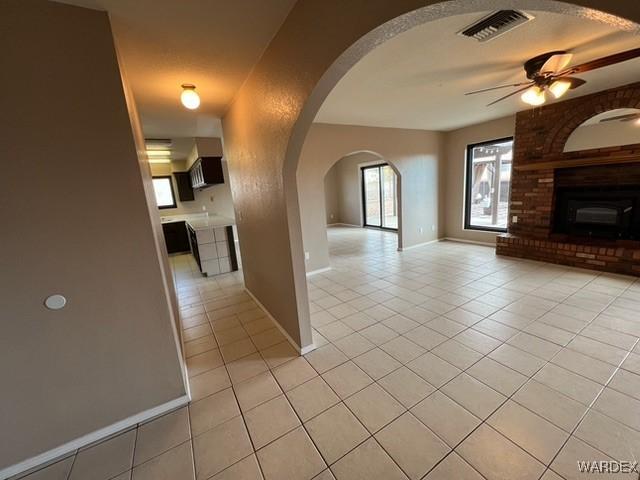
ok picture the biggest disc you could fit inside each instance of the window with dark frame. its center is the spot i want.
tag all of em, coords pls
(163, 188)
(488, 182)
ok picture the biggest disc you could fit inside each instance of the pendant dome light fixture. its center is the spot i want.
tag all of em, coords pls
(189, 97)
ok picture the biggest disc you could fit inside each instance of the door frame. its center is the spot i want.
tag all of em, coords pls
(364, 198)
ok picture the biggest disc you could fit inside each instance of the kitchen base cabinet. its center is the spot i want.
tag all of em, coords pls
(213, 247)
(176, 237)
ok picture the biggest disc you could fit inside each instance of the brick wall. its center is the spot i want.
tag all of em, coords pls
(540, 136)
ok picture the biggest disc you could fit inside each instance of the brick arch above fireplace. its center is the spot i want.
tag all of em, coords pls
(573, 113)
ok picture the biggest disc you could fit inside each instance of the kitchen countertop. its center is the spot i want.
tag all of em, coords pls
(200, 221)
(211, 221)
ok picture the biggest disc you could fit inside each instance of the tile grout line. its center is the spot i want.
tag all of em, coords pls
(503, 342)
(464, 370)
(586, 412)
(593, 402)
(530, 378)
(486, 355)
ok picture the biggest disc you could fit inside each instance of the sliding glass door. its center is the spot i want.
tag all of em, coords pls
(379, 197)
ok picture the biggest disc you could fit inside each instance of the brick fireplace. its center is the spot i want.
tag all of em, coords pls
(543, 174)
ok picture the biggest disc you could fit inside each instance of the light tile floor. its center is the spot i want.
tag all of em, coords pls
(441, 362)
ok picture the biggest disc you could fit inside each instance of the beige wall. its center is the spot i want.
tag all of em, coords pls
(456, 142)
(349, 186)
(600, 135)
(75, 222)
(332, 196)
(414, 154)
(343, 189)
(267, 124)
(215, 199)
(343, 185)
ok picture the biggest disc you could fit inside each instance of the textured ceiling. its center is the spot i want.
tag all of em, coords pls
(212, 44)
(418, 79)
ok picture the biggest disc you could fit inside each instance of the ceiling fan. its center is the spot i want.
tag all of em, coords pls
(550, 72)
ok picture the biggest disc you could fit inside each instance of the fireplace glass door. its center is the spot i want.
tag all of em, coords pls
(596, 215)
(599, 212)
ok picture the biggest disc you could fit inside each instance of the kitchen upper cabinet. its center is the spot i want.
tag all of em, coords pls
(183, 182)
(206, 171)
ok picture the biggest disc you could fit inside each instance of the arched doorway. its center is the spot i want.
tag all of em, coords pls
(320, 154)
(272, 114)
(362, 210)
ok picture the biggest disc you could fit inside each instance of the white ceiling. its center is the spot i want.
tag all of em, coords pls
(212, 44)
(418, 79)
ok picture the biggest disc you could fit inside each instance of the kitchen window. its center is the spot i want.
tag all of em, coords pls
(163, 188)
(488, 181)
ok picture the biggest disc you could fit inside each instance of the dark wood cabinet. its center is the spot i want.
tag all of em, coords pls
(176, 237)
(183, 182)
(194, 246)
(206, 171)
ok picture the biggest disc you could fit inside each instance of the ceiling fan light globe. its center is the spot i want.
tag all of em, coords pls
(189, 97)
(559, 87)
(533, 96)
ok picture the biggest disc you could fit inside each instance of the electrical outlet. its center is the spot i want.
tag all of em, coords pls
(420, 230)
(433, 228)
(514, 219)
(204, 209)
(306, 255)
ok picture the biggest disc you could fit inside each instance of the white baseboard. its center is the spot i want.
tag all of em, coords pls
(343, 225)
(474, 242)
(307, 349)
(410, 247)
(300, 350)
(319, 270)
(93, 437)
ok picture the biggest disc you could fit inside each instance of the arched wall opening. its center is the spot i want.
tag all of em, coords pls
(348, 204)
(413, 154)
(318, 161)
(313, 196)
(266, 127)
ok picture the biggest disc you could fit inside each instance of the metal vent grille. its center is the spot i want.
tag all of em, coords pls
(495, 24)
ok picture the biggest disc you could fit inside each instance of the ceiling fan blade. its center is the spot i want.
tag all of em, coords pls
(509, 95)
(556, 63)
(574, 81)
(499, 86)
(603, 62)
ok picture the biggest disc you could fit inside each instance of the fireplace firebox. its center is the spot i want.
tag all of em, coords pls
(598, 212)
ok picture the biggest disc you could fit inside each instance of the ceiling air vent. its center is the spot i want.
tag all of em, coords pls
(495, 24)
